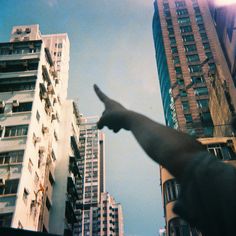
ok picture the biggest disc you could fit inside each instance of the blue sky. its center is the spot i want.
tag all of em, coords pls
(111, 45)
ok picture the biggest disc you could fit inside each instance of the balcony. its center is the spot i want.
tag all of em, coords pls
(73, 167)
(71, 189)
(75, 147)
(70, 213)
(49, 57)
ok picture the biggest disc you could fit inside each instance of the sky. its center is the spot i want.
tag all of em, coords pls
(112, 46)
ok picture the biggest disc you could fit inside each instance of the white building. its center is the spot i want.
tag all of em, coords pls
(92, 170)
(38, 138)
(111, 216)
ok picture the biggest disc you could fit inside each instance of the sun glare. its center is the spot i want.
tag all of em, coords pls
(225, 2)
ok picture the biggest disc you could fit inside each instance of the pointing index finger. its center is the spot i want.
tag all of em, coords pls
(100, 94)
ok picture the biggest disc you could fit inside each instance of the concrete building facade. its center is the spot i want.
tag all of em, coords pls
(196, 84)
(97, 212)
(37, 171)
(111, 216)
(92, 170)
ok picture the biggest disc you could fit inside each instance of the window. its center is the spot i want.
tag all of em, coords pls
(199, 19)
(178, 70)
(188, 38)
(13, 131)
(26, 106)
(203, 103)
(197, 10)
(188, 118)
(11, 157)
(201, 27)
(184, 20)
(166, 6)
(176, 60)
(181, 12)
(204, 36)
(208, 131)
(198, 79)
(179, 227)
(19, 65)
(171, 31)
(59, 45)
(185, 106)
(59, 54)
(2, 110)
(167, 13)
(169, 22)
(171, 190)
(5, 220)
(182, 93)
(212, 66)
(221, 151)
(180, 81)
(206, 46)
(194, 68)
(201, 91)
(172, 40)
(10, 87)
(10, 187)
(185, 29)
(180, 4)
(209, 55)
(190, 48)
(206, 117)
(193, 58)
(174, 50)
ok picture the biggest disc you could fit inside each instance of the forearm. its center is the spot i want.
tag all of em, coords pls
(164, 145)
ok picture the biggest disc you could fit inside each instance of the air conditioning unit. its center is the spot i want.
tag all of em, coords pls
(2, 104)
(2, 182)
(15, 103)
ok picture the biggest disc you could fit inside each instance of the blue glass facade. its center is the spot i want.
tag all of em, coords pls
(162, 67)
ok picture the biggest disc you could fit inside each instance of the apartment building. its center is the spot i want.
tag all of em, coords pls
(92, 170)
(111, 216)
(197, 88)
(38, 141)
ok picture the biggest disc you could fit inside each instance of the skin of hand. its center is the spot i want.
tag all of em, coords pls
(114, 116)
(166, 146)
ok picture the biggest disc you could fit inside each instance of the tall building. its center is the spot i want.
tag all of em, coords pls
(92, 170)
(196, 85)
(38, 141)
(111, 216)
(97, 211)
(224, 17)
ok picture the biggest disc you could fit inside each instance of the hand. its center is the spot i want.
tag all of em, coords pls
(114, 116)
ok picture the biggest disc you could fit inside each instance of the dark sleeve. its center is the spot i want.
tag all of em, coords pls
(208, 196)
